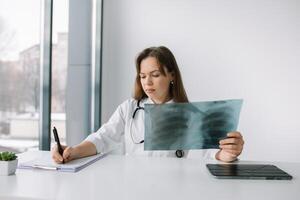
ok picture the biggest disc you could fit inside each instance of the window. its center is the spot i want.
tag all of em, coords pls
(59, 66)
(19, 74)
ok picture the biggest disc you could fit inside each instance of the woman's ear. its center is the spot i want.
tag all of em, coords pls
(173, 75)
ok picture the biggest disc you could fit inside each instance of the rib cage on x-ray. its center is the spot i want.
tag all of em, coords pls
(197, 125)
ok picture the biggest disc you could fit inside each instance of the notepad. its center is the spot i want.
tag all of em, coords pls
(46, 162)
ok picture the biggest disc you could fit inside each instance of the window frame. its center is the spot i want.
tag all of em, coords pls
(45, 74)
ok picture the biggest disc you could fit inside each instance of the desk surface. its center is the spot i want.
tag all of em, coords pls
(123, 177)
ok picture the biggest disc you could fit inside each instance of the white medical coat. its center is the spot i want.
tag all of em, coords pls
(114, 136)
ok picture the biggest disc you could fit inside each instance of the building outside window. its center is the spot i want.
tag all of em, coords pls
(20, 72)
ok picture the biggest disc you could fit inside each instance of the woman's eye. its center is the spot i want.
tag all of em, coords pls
(155, 75)
(142, 77)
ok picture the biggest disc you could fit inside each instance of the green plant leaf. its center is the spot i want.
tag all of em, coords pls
(7, 156)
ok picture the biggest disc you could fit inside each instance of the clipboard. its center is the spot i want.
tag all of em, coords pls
(45, 162)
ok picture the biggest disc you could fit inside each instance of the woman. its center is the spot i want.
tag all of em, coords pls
(158, 81)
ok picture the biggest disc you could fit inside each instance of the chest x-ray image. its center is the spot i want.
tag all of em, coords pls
(198, 125)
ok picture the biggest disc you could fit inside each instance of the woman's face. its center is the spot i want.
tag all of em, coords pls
(154, 83)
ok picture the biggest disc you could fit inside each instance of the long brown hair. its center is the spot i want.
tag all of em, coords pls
(166, 59)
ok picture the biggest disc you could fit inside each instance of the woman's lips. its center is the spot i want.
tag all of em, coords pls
(150, 90)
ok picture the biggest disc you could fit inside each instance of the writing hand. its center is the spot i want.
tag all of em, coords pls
(68, 154)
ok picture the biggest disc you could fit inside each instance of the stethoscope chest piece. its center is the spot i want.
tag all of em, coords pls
(179, 153)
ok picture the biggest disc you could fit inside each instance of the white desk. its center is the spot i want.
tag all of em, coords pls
(121, 177)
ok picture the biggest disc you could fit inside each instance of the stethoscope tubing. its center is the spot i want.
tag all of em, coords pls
(178, 153)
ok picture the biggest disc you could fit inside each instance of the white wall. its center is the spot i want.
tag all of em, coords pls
(225, 49)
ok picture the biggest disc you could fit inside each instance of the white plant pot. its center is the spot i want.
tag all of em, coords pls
(8, 167)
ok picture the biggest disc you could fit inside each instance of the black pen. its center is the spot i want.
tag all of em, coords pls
(56, 138)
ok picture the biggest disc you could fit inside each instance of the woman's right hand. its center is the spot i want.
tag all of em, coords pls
(68, 154)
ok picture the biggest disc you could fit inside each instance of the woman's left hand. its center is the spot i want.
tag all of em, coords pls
(230, 147)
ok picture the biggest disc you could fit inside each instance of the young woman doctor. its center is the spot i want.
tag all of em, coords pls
(158, 81)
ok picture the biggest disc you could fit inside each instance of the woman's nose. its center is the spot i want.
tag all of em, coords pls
(148, 81)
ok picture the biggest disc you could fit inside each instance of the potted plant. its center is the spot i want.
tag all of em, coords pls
(8, 163)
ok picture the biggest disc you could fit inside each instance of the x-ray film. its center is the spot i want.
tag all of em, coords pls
(198, 125)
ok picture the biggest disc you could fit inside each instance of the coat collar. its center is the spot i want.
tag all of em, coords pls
(149, 101)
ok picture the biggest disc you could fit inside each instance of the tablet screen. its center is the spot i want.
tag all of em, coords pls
(247, 171)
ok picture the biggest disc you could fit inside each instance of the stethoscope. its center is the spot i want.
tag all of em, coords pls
(178, 153)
